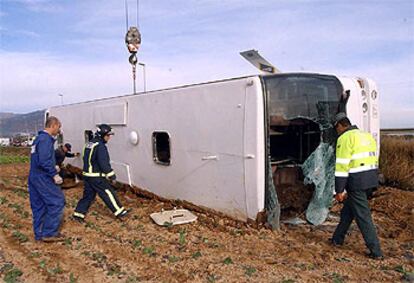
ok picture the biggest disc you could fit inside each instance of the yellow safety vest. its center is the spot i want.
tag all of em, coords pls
(355, 152)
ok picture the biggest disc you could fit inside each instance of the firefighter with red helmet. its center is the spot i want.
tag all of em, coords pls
(97, 175)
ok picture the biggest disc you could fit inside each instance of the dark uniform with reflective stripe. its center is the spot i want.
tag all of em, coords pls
(96, 173)
(356, 171)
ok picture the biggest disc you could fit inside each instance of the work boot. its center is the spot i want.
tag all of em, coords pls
(57, 238)
(123, 214)
(335, 243)
(77, 219)
(375, 256)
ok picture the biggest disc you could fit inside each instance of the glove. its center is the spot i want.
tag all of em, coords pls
(57, 168)
(77, 154)
(112, 179)
(340, 197)
(58, 180)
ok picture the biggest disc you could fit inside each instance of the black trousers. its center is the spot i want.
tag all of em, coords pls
(356, 207)
(102, 187)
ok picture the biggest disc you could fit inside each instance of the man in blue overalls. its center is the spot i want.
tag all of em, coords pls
(97, 175)
(46, 198)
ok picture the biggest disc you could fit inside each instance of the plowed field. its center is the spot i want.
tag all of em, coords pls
(104, 249)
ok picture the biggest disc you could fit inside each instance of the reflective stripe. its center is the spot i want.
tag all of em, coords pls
(87, 174)
(363, 155)
(110, 174)
(77, 214)
(90, 156)
(362, 168)
(343, 160)
(341, 174)
(118, 209)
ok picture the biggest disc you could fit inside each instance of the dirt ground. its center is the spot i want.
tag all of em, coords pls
(104, 249)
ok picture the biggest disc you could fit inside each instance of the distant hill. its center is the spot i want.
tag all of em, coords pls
(12, 124)
(4, 115)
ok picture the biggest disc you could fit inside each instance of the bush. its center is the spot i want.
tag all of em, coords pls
(397, 161)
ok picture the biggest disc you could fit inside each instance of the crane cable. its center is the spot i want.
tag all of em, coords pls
(132, 41)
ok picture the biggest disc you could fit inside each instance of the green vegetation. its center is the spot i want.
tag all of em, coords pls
(397, 161)
(11, 273)
(72, 278)
(212, 278)
(5, 159)
(3, 200)
(55, 270)
(115, 269)
(196, 254)
(249, 270)
(181, 239)
(228, 260)
(99, 257)
(42, 264)
(173, 258)
(149, 251)
(136, 243)
(22, 238)
(34, 254)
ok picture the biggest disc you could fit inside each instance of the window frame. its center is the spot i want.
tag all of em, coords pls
(155, 153)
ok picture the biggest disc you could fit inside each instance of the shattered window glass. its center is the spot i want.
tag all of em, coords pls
(319, 169)
(299, 95)
(300, 110)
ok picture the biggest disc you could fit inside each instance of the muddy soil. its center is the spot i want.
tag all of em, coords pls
(104, 249)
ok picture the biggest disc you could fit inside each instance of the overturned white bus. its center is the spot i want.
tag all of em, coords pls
(225, 145)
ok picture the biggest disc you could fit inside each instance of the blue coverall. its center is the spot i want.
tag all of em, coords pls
(46, 199)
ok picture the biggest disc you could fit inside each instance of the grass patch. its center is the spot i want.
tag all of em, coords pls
(136, 244)
(10, 159)
(149, 251)
(397, 161)
(173, 259)
(3, 200)
(115, 269)
(99, 257)
(249, 270)
(181, 238)
(34, 255)
(72, 278)
(228, 260)
(55, 270)
(42, 264)
(12, 275)
(212, 278)
(196, 254)
(22, 238)
(68, 242)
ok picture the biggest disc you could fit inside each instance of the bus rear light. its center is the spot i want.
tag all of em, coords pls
(364, 108)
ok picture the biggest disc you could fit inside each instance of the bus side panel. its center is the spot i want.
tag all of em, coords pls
(206, 127)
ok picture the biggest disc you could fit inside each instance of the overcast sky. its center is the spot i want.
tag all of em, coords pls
(76, 48)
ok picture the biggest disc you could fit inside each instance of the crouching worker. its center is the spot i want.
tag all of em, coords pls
(61, 153)
(97, 175)
(46, 198)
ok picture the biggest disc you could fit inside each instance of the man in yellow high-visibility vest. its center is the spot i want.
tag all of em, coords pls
(356, 176)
